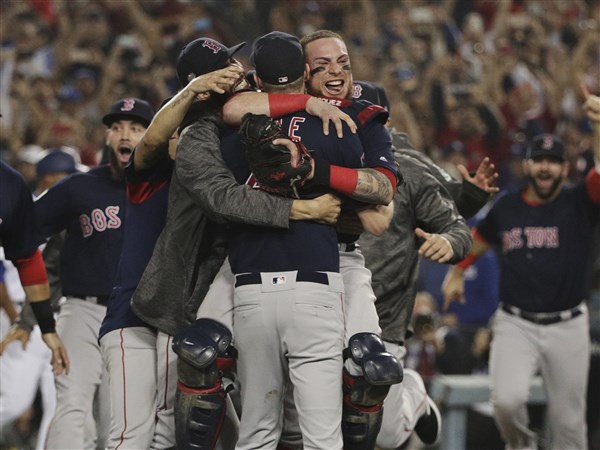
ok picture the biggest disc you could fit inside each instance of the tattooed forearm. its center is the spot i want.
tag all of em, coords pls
(180, 98)
(373, 187)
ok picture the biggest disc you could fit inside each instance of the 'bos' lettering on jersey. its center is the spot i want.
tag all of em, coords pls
(530, 237)
(100, 220)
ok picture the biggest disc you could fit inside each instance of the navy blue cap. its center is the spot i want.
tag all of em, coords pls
(278, 58)
(201, 56)
(54, 162)
(130, 109)
(546, 145)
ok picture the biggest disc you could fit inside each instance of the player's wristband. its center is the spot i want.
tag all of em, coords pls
(44, 316)
(343, 179)
(465, 263)
(284, 104)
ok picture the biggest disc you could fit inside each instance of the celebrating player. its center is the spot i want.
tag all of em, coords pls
(542, 324)
(142, 403)
(190, 250)
(91, 208)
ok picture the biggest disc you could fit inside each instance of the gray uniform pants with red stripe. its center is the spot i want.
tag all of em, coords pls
(561, 353)
(287, 328)
(142, 370)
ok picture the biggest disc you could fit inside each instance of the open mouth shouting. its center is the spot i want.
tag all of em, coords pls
(124, 153)
(335, 88)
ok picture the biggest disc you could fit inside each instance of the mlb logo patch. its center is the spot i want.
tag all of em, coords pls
(278, 280)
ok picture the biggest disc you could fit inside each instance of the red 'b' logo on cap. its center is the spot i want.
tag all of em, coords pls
(214, 47)
(128, 104)
(547, 142)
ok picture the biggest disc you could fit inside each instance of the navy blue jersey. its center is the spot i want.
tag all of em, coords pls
(18, 232)
(91, 208)
(544, 248)
(306, 245)
(376, 140)
(144, 220)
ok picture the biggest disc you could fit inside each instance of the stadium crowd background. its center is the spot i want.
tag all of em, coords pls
(464, 78)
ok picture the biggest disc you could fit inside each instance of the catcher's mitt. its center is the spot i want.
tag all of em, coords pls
(275, 168)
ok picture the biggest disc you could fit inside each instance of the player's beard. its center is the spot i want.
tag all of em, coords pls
(545, 193)
(116, 167)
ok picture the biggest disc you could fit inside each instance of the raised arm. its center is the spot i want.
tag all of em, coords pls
(592, 109)
(169, 117)
(279, 105)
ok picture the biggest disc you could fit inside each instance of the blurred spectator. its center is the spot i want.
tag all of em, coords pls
(57, 164)
(422, 348)
(26, 159)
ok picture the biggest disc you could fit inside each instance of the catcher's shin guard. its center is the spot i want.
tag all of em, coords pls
(204, 351)
(364, 394)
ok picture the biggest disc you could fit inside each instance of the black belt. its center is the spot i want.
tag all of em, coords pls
(307, 276)
(347, 246)
(544, 318)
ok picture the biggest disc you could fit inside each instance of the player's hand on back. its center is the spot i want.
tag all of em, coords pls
(323, 209)
(329, 113)
(60, 360)
(326, 208)
(15, 333)
(485, 177)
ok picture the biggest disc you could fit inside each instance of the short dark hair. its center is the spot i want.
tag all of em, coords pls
(319, 34)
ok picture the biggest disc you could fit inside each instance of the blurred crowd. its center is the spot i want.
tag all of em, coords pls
(465, 79)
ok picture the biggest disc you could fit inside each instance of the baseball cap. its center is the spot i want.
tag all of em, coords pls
(201, 56)
(374, 93)
(129, 109)
(56, 161)
(278, 58)
(546, 145)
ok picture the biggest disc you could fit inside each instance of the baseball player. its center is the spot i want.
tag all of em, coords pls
(542, 324)
(20, 237)
(142, 403)
(379, 139)
(190, 249)
(416, 407)
(427, 201)
(25, 369)
(300, 271)
(90, 207)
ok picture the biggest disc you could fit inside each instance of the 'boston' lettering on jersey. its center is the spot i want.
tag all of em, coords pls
(100, 220)
(530, 237)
